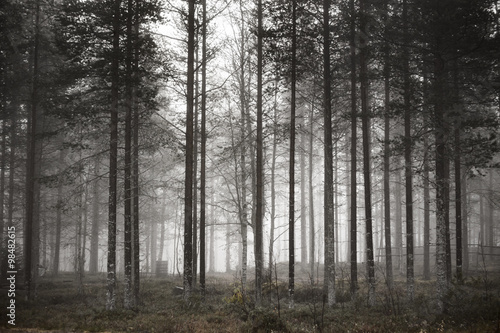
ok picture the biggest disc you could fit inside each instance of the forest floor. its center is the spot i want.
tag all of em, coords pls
(473, 306)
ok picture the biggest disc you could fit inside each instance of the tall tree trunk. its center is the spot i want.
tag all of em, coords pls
(195, 163)
(465, 223)
(328, 155)
(273, 182)
(188, 194)
(303, 194)
(363, 77)
(259, 203)
(410, 279)
(312, 232)
(442, 182)
(458, 174)
(291, 180)
(135, 161)
(31, 246)
(94, 240)
(387, 160)
(128, 290)
(354, 117)
(244, 122)
(203, 149)
(427, 240)
(398, 218)
(59, 211)
(113, 157)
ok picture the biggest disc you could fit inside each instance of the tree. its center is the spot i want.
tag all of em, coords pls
(365, 116)
(188, 190)
(259, 199)
(31, 245)
(113, 160)
(354, 135)
(291, 180)
(328, 155)
(408, 156)
(203, 148)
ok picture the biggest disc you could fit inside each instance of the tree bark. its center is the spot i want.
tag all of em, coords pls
(410, 278)
(203, 149)
(312, 231)
(365, 110)
(113, 154)
(259, 204)
(291, 180)
(31, 246)
(128, 290)
(94, 240)
(135, 162)
(328, 155)
(188, 194)
(387, 160)
(354, 117)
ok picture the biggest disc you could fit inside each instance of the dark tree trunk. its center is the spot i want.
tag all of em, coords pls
(328, 153)
(188, 195)
(113, 157)
(410, 279)
(354, 117)
(387, 159)
(135, 163)
(259, 204)
(312, 232)
(128, 292)
(427, 231)
(94, 240)
(291, 180)
(203, 149)
(365, 109)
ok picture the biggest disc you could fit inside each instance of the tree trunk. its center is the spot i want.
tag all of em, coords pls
(363, 77)
(354, 117)
(59, 211)
(427, 240)
(128, 290)
(291, 180)
(135, 162)
(203, 149)
(312, 231)
(328, 155)
(272, 260)
(195, 163)
(188, 194)
(259, 204)
(31, 246)
(94, 240)
(113, 154)
(387, 160)
(410, 279)
(441, 182)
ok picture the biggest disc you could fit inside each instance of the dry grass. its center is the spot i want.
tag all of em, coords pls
(472, 307)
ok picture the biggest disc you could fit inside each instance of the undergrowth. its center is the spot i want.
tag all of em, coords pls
(230, 307)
